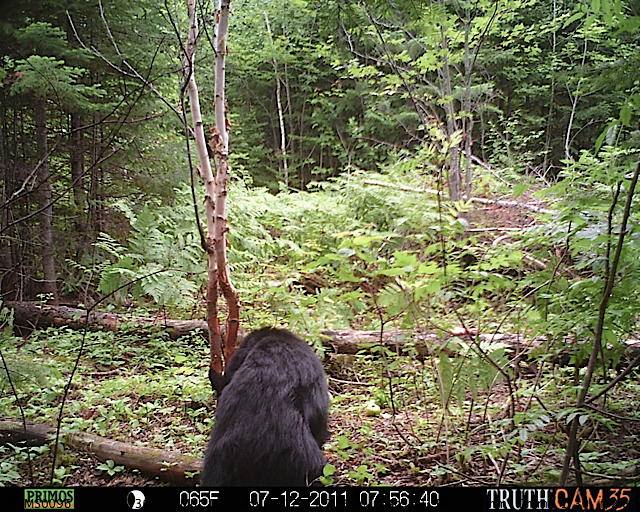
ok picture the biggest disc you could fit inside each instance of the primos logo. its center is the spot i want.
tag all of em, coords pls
(49, 498)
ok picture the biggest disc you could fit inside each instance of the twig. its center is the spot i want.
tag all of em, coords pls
(624, 372)
(610, 414)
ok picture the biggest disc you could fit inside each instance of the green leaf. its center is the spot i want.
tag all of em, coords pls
(328, 470)
(347, 276)
(519, 189)
(343, 442)
(523, 434)
(393, 272)
(446, 374)
(625, 114)
(404, 259)
(362, 240)
(573, 18)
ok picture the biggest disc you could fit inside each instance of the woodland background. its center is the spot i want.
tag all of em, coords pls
(465, 170)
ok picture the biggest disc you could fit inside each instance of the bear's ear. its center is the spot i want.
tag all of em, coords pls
(218, 381)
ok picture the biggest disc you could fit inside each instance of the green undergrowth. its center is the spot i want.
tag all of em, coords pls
(465, 409)
(133, 386)
(395, 419)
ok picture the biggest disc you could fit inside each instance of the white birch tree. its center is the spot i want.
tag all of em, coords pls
(216, 187)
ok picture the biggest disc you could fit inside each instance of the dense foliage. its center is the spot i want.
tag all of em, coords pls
(315, 89)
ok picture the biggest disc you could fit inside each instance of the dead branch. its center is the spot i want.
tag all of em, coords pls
(479, 200)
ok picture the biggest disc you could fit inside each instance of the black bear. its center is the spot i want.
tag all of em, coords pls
(271, 419)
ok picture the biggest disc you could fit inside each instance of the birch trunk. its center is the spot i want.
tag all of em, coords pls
(216, 188)
(221, 152)
(283, 139)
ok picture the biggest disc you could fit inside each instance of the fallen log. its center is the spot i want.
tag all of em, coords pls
(35, 315)
(349, 341)
(168, 466)
(480, 200)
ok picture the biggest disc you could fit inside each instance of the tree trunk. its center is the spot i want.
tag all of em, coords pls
(46, 215)
(552, 98)
(7, 175)
(33, 315)
(467, 122)
(574, 105)
(216, 189)
(76, 161)
(454, 177)
(95, 200)
(215, 338)
(221, 151)
(283, 139)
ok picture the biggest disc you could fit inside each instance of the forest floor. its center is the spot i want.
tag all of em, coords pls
(386, 441)
(416, 446)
